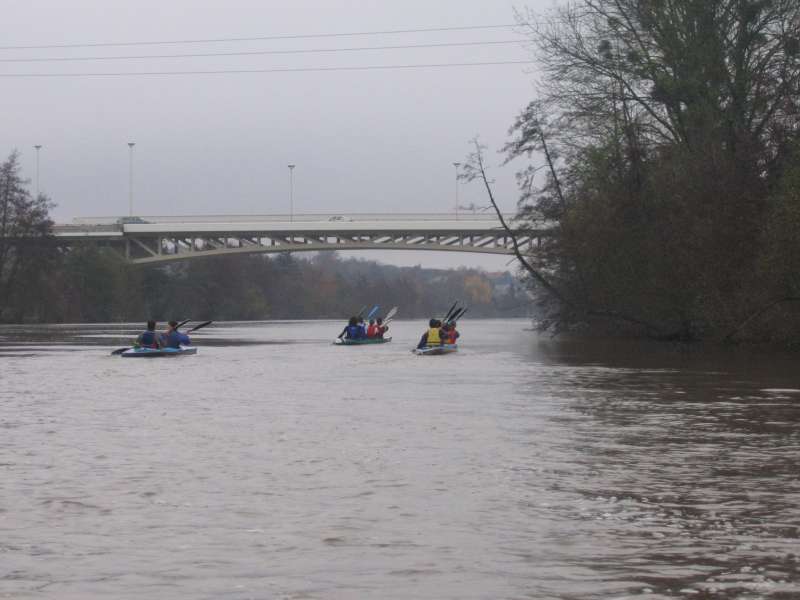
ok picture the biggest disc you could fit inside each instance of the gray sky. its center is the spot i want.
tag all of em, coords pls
(363, 141)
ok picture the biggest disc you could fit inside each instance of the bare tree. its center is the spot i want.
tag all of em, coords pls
(660, 132)
(567, 309)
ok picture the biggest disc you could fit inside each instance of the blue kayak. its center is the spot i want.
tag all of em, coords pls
(158, 352)
(436, 350)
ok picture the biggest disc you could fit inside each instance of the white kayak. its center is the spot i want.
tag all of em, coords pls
(436, 350)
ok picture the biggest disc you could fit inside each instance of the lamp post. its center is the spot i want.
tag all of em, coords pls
(38, 147)
(291, 192)
(456, 165)
(130, 178)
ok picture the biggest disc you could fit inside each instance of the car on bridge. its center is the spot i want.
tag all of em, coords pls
(131, 221)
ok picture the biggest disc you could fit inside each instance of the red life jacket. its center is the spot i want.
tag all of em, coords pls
(372, 330)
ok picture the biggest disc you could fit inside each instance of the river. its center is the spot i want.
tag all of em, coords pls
(275, 465)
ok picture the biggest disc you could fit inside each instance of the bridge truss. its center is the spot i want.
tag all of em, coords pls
(164, 240)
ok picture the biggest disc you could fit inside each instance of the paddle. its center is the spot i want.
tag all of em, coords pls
(372, 312)
(456, 315)
(199, 326)
(449, 312)
(387, 319)
(390, 315)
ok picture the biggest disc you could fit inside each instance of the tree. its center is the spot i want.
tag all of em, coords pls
(685, 70)
(25, 230)
(95, 284)
(664, 127)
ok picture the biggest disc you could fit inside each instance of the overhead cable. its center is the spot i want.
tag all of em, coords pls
(259, 52)
(260, 38)
(288, 70)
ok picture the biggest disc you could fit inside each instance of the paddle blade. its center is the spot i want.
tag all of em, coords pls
(361, 312)
(199, 326)
(374, 310)
(457, 315)
(182, 323)
(119, 351)
(454, 316)
(390, 315)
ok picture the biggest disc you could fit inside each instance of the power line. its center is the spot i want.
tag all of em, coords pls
(261, 38)
(259, 52)
(290, 70)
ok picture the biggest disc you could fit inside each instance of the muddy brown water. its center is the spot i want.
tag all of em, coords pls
(275, 465)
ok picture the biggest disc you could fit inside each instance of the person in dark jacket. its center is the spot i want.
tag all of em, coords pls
(353, 331)
(173, 338)
(149, 338)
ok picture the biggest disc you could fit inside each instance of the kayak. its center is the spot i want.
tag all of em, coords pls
(361, 342)
(436, 350)
(158, 352)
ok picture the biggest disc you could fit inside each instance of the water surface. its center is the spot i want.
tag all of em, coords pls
(275, 465)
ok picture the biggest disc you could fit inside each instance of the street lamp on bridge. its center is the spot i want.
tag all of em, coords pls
(38, 147)
(456, 165)
(130, 178)
(291, 192)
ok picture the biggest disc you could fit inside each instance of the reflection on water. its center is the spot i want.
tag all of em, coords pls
(276, 465)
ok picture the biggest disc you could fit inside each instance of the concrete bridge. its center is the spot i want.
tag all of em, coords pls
(147, 240)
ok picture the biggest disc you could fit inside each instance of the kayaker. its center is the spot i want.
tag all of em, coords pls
(452, 334)
(380, 328)
(149, 338)
(431, 337)
(352, 330)
(173, 338)
(372, 330)
(362, 326)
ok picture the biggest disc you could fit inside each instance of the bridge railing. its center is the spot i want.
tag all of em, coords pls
(300, 218)
(87, 228)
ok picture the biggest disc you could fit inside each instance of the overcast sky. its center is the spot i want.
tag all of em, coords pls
(363, 141)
